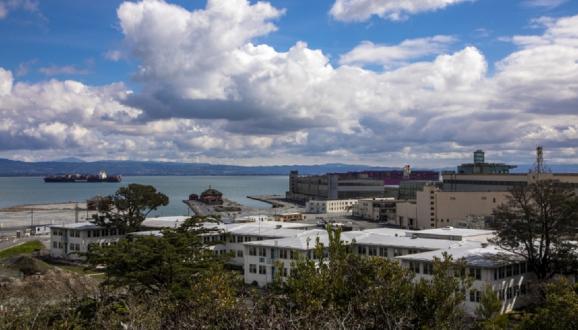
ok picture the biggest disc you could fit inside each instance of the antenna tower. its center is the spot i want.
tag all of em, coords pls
(539, 166)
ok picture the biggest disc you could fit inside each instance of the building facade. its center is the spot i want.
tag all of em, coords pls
(334, 206)
(351, 185)
(376, 209)
(435, 208)
(72, 241)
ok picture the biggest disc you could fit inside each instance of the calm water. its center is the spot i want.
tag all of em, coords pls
(33, 190)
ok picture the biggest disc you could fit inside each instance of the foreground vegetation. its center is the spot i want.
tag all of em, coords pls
(175, 282)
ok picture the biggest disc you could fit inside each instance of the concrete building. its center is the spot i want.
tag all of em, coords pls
(479, 166)
(71, 241)
(334, 206)
(264, 258)
(351, 185)
(505, 273)
(489, 266)
(376, 209)
(501, 182)
(435, 208)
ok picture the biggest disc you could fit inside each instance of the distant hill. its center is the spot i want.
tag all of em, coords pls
(68, 160)
(132, 168)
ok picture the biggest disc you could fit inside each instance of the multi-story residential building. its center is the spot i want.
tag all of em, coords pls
(263, 259)
(435, 208)
(488, 266)
(505, 273)
(73, 240)
(375, 209)
(333, 206)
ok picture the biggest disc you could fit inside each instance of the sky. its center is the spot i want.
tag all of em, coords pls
(377, 82)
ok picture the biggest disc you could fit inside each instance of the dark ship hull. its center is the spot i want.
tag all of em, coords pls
(81, 178)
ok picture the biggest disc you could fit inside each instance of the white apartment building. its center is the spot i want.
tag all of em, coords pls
(508, 277)
(238, 234)
(331, 206)
(505, 273)
(71, 241)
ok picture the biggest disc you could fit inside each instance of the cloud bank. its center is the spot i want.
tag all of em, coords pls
(210, 92)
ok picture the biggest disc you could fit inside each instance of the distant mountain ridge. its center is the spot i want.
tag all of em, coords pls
(131, 168)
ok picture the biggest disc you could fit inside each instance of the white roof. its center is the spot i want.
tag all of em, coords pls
(267, 229)
(306, 240)
(78, 226)
(155, 233)
(463, 232)
(490, 256)
(409, 242)
(390, 231)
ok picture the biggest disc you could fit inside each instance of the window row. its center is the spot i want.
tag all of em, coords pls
(510, 270)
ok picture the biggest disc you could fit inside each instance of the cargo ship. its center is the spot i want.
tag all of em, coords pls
(100, 177)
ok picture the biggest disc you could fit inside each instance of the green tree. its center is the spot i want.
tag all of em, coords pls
(437, 301)
(340, 289)
(538, 222)
(489, 311)
(155, 263)
(560, 310)
(129, 207)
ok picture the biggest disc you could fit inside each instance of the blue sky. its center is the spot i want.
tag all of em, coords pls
(80, 32)
(225, 103)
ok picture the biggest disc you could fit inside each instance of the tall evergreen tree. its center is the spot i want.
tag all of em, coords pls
(539, 222)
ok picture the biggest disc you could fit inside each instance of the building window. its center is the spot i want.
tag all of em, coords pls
(253, 268)
(252, 251)
(262, 252)
(523, 268)
(262, 269)
(475, 295)
(247, 238)
(476, 273)
(283, 254)
(240, 253)
(293, 254)
(382, 252)
(516, 269)
(54, 245)
(397, 252)
(372, 251)
(414, 266)
(284, 272)
(428, 268)
(361, 250)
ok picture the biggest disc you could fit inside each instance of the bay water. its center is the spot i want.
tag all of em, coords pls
(33, 190)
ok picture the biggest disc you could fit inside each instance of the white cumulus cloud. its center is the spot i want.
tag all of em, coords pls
(395, 10)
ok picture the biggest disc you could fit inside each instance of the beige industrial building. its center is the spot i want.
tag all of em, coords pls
(375, 209)
(434, 208)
